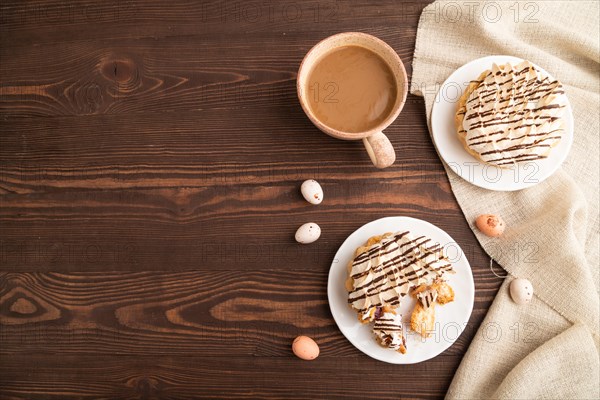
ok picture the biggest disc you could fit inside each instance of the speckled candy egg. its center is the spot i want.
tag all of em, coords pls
(490, 225)
(521, 291)
(305, 348)
(312, 191)
(308, 233)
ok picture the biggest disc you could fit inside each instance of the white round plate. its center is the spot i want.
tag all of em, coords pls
(464, 164)
(450, 319)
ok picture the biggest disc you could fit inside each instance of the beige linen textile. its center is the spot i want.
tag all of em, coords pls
(548, 348)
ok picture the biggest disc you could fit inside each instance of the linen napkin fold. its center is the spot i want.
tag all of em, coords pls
(548, 348)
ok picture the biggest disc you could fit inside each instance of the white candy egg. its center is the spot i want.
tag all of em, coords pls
(312, 191)
(521, 291)
(308, 233)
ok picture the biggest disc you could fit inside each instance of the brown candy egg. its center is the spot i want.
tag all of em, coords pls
(305, 348)
(490, 225)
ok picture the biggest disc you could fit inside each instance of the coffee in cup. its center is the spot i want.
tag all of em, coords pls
(352, 86)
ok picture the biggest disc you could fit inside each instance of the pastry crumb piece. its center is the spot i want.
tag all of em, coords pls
(445, 293)
(422, 319)
(388, 330)
(427, 297)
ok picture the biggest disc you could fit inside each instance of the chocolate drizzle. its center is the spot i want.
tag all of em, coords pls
(427, 297)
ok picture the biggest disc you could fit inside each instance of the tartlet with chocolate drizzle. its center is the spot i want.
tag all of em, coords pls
(385, 270)
(511, 114)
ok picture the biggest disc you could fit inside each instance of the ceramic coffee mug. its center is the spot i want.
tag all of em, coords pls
(377, 144)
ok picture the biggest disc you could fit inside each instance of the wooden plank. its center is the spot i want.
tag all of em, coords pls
(255, 313)
(218, 377)
(257, 134)
(141, 75)
(41, 21)
(227, 228)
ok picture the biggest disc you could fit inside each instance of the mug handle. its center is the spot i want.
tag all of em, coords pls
(380, 150)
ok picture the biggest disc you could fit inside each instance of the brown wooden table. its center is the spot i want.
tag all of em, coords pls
(151, 158)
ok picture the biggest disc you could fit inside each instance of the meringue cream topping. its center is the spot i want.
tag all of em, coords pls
(385, 272)
(514, 115)
(388, 330)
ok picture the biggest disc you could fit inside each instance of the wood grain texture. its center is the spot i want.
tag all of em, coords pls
(166, 377)
(151, 155)
(197, 312)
